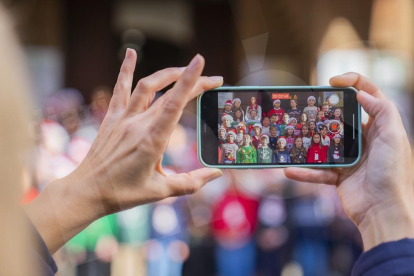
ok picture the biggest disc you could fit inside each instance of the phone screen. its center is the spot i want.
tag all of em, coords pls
(284, 127)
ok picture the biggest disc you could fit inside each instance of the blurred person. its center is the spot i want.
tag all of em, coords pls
(168, 249)
(377, 194)
(271, 234)
(234, 221)
(253, 106)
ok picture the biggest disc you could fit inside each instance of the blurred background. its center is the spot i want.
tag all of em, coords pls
(247, 222)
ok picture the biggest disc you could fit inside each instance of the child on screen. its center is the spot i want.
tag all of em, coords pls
(316, 152)
(336, 150)
(298, 152)
(311, 110)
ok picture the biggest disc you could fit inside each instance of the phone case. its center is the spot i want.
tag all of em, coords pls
(237, 88)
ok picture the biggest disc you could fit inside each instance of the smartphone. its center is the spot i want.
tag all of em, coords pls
(252, 127)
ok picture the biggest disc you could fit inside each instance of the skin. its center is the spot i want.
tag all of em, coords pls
(286, 118)
(230, 139)
(264, 142)
(266, 122)
(290, 132)
(281, 146)
(312, 126)
(273, 132)
(325, 109)
(298, 143)
(237, 104)
(277, 105)
(294, 123)
(228, 107)
(316, 139)
(257, 131)
(222, 133)
(324, 131)
(305, 130)
(304, 117)
(246, 140)
(377, 194)
(253, 114)
(123, 167)
(293, 104)
(274, 119)
(238, 114)
(337, 141)
(311, 102)
(253, 100)
(320, 115)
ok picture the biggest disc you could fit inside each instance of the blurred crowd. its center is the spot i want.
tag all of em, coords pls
(249, 222)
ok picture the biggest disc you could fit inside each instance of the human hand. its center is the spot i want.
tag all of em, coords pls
(377, 194)
(123, 167)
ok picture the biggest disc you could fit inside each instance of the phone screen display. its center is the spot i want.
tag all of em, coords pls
(284, 127)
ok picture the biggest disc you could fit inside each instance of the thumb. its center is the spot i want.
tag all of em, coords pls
(190, 183)
(370, 104)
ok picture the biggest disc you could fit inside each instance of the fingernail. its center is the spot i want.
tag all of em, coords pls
(128, 53)
(216, 78)
(195, 62)
(215, 174)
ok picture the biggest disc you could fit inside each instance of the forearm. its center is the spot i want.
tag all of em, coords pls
(61, 211)
(387, 224)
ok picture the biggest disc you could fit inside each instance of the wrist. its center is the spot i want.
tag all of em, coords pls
(61, 211)
(387, 223)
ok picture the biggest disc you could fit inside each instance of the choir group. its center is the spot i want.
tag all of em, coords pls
(309, 135)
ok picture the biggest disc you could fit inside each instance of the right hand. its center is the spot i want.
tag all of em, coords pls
(377, 194)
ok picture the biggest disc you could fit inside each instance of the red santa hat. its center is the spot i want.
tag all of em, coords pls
(222, 127)
(229, 102)
(276, 101)
(231, 132)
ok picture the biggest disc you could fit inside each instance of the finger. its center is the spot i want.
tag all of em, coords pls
(359, 82)
(370, 104)
(205, 83)
(170, 106)
(320, 176)
(122, 90)
(189, 183)
(146, 88)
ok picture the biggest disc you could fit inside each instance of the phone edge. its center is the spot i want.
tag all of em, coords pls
(200, 159)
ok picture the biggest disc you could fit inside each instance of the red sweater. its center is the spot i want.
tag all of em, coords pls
(316, 154)
(278, 112)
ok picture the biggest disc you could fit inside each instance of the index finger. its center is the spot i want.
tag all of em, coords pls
(170, 106)
(359, 82)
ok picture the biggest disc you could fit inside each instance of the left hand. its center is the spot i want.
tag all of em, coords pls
(123, 167)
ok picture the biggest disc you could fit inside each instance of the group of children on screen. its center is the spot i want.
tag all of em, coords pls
(311, 135)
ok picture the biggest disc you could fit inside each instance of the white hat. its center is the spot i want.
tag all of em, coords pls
(227, 116)
(337, 135)
(257, 125)
(311, 97)
(264, 135)
(236, 99)
(281, 140)
(289, 126)
(275, 101)
(293, 118)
